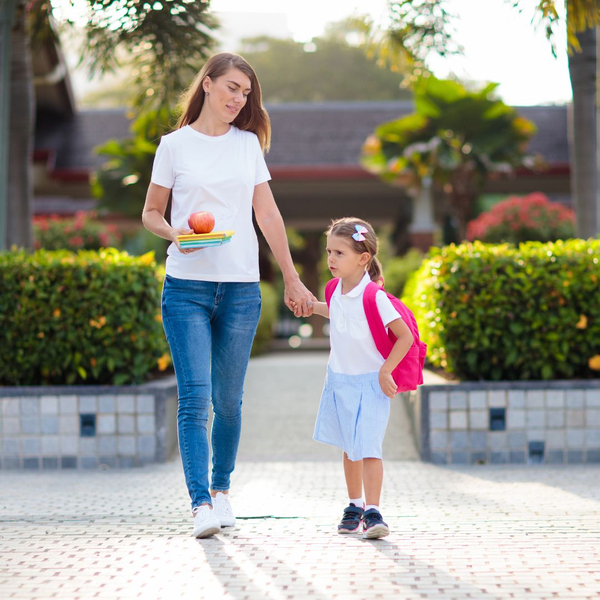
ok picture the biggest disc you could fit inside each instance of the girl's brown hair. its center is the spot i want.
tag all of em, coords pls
(346, 228)
(253, 117)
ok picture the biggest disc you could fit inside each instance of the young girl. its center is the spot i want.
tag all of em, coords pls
(355, 403)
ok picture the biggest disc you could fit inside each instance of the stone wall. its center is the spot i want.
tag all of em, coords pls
(62, 427)
(551, 422)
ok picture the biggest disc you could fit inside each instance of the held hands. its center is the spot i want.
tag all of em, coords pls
(297, 309)
(298, 299)
(387, 383)
(184, 231)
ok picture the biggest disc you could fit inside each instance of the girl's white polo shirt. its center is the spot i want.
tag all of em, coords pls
(218, 174)
(353, 349)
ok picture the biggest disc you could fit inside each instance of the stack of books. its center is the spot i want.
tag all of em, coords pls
(205, 240)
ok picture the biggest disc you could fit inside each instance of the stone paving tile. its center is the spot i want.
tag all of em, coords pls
(478, 532)
(473, 532)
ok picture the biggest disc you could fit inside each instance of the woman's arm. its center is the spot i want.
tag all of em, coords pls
(153, 216)
(271, 224)
(401, 347)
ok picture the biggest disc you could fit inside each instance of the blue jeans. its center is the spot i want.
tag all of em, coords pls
(210, 328)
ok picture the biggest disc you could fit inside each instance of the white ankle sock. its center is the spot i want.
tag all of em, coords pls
(358, 502)
(375, 506)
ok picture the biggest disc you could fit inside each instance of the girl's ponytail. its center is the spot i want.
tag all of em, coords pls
(375, 271)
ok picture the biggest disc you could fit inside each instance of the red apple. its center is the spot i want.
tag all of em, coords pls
(202, 222)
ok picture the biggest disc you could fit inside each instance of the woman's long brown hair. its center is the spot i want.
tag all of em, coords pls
(253, 117)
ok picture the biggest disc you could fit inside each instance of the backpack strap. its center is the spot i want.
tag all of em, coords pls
(329, 289)
(380, 337)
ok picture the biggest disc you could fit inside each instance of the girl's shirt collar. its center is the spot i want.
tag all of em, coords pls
(358, 290)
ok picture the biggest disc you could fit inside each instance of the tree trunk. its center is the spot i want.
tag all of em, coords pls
(462, 199)
(583, 135)
(7, 18)
(401, 234)
(22, 117)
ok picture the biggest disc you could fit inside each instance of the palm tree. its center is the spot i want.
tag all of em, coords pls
(164, 42)
(19, 230)
(583, 144)
(418, 28)
(7, 21)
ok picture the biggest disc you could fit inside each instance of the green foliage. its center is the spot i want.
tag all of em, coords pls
(418, 28)
(454, 133)
(122, 182)
(91, 317)
(164, 43)
(335, 70)
(499, 312)
(455, 139)
(531, 218)
(398, 269)
(415, 30)
(268, 318)
(83, 232)
(580, 15)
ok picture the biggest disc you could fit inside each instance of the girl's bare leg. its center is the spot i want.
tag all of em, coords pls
(373, 479)
(353, 470)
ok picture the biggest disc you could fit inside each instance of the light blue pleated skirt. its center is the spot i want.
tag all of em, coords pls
(353, 414)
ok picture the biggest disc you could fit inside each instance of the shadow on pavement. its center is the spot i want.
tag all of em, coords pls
(244, 576)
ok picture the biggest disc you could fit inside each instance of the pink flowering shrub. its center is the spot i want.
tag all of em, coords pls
(83, 232)
(522, 219)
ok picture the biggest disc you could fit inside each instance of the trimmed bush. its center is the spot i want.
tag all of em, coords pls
(91, 317)
(530, 218)
(498, 312)
(398, 269)
(268, 317)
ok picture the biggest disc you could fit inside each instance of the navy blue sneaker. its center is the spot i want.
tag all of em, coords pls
(351, 520)
(373, 525)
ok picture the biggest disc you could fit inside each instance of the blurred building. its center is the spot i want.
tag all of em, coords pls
(314, 159)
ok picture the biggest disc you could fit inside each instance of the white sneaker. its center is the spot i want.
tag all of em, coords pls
(206, 522)
(223, 510)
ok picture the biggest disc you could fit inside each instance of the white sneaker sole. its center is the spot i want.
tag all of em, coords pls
(376, 532)
(207, 531)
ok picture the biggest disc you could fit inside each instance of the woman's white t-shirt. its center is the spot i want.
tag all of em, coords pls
(353, 350)
(217, 174)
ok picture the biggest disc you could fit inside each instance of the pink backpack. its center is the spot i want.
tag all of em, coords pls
(409, 373)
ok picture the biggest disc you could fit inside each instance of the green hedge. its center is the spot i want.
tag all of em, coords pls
(91, 317)
(500, 312)
(268, 317)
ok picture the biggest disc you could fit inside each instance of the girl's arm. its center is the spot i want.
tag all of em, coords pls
(401, 347)
(271, 224)
(321, 308)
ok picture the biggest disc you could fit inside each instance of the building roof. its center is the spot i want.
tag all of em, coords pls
(333, 132)
(71, 140)
(326, 134)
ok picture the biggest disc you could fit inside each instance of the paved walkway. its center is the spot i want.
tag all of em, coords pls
(478, 532)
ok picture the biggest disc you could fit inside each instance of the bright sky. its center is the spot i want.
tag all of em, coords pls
(500, 44)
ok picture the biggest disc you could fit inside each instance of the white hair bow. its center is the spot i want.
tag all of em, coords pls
(360, 231)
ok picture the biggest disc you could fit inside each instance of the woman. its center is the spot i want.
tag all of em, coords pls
(211, 301)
